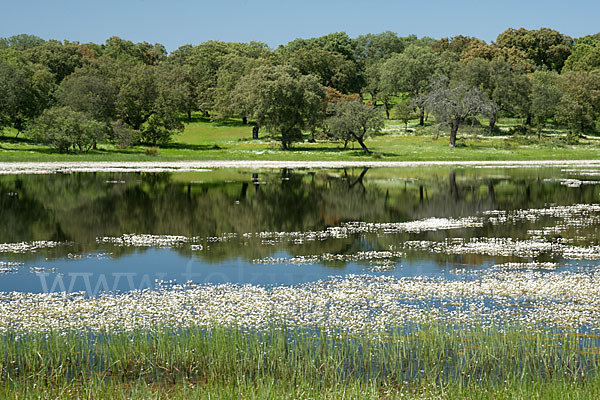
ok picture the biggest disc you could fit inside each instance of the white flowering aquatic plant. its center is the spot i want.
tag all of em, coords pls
(354, 304)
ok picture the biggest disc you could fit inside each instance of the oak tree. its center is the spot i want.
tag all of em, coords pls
(282, 100)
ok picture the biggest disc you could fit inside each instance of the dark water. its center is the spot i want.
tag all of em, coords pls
(238, 220)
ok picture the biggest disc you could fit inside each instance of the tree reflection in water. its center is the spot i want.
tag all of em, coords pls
(80, 207)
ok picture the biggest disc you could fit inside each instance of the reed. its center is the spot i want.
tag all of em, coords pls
(433, 358)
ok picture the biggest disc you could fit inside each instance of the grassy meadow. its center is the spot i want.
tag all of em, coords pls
(203, 139)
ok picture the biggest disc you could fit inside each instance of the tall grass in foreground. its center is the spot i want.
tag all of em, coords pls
(280, 362)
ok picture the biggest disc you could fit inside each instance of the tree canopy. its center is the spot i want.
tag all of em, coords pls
(282, 100)
(24, 93)
(579, 105)
(332, 69)
(410, 72)
(585, 55)
(545, 47)
(545, 97)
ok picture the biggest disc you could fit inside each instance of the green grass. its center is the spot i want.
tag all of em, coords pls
(431, 361)
(230, 140)
(272, 389)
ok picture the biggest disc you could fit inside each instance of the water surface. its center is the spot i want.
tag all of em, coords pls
(121, 231)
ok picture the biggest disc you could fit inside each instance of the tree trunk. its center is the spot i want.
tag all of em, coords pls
(362, 144)
(359, 180)
(421, 115)
(189, 113)
(492, 123)
(255, 129)
(453, 188)
(453, 131)
(528, 122)
(18, 125)
(387, 109)
(245, 120)
(491, 192)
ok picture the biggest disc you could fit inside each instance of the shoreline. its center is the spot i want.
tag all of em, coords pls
(10, 168)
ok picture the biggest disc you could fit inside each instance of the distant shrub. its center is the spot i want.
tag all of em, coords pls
(519, 130)
(66, 129)
(151, 151)
(123, 136)
(159, 129)
(572, 138)
(323, 136)
(561, 141)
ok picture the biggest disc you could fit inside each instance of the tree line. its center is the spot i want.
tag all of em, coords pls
(73, 96)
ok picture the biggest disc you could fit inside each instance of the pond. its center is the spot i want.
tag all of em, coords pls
(355, 249)
(117, 231)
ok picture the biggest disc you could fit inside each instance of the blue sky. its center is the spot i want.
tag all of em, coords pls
(178, 22)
